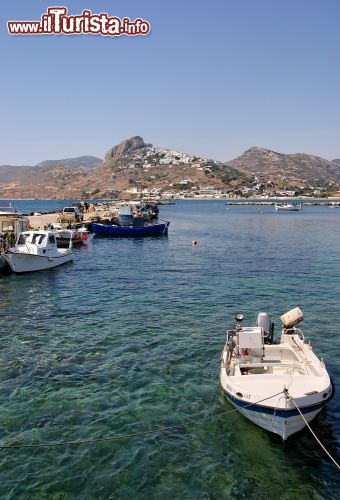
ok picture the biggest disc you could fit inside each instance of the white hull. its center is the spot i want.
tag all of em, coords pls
(284, 426)
(288, 207)
(24, 263)
(36, 251)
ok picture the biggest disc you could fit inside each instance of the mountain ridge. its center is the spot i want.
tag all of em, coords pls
(133, 163)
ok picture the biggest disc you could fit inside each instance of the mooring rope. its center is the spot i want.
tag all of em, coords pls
(313, 433)
(131, 434)
(162, 429)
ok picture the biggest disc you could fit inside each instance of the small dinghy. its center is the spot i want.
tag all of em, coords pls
(278, 385)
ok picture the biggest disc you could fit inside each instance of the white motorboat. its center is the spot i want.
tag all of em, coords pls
(279, 385)
(288, 207)
(35, 251)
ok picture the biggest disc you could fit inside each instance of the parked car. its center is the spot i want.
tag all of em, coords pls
(72, 212)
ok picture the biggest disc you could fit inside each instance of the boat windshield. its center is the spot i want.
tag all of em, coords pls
(38, 239)
(22, 239)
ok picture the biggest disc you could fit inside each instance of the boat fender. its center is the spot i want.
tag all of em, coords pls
(84, 236)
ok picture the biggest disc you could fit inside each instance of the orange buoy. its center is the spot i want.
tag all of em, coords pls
(84, 236)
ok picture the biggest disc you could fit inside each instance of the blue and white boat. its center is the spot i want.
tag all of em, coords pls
(278, 385)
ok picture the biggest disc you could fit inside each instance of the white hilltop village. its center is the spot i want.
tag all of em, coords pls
(170, 158)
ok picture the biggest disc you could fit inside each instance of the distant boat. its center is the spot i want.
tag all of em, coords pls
(289, 207)
(67, 237)
(36, 251)
(72, 237)
(85, 234)
(132, 230)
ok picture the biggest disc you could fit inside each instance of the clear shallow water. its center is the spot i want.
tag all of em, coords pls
(127, 339)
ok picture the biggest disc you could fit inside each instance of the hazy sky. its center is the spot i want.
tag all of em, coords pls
(212, 78)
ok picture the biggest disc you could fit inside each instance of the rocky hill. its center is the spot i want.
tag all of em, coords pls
(133, 164)
(52, 177)
(294, 170)
(81, 162)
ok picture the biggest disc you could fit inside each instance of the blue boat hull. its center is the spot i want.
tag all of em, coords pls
(126, 231)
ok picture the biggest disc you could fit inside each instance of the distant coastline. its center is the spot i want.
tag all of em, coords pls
(229, 201)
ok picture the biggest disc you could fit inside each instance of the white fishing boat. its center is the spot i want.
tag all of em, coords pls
(279, 385)
(36, 251)
(288, 207)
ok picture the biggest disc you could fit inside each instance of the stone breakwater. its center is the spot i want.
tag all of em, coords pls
(305, 203)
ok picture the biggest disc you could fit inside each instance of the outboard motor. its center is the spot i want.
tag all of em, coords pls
(264, 321)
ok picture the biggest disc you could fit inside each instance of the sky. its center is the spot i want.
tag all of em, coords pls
(210, 79)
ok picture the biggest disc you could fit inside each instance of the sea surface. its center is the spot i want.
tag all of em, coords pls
(109, 366)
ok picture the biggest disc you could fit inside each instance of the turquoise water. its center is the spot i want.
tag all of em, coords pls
(119, 352)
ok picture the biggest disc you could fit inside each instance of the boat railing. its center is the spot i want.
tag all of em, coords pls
(293, 331)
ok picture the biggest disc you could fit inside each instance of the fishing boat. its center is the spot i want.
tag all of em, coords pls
(288, 207)
(67, 237)
(12, 223)
(36, 251)
(279, 385)
(140, 229)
